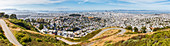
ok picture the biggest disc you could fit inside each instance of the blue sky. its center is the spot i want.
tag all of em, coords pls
(67, 5)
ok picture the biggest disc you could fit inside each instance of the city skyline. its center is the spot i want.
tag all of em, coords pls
(70, 5)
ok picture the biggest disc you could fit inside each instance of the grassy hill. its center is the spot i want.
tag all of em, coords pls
(156, 39)
(33, 39)
(27, 36)
(30, 39)
(23, 24)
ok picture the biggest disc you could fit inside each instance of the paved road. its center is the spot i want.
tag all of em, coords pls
(122, 31)
(71, 43)
(9, 34)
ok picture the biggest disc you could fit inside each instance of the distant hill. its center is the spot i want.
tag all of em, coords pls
(26, 12)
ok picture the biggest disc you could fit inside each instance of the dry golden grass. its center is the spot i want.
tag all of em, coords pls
(107, 33)
(11, 25)
(116, 38)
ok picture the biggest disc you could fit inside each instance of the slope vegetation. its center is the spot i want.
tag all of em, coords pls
(156, 39)
(3, 40)
(29, 37)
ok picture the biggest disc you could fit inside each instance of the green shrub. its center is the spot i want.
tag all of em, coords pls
(3, 40)
(34, 39)
(23, 43)
(23, 24)
(38, 40)
(25, 39)
(129, 27)
(156, 39)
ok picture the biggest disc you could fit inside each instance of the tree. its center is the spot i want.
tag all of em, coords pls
(136, 29)
(6, 16)
(48, 28)
(33, 20)
(41, 20)
(2, 14)
(74, 15)
(13, 16)
(129, 27)
(143, 29)
(155, 29)
(27, 20)
(38, 40)
(41, 26)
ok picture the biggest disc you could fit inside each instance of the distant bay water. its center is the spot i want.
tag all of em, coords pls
(25, 12)
(114, 11)
(142, 11)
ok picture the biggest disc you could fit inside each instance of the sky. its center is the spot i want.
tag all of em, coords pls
(69, 5)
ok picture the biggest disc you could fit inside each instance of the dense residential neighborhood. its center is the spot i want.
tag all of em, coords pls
(72, 25)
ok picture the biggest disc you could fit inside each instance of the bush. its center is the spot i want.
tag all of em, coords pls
(25, 39)
(3, 40)
(14, 27)
(129, 27)
(2, 36)
(10, 44)
(19, 35)
(23, 43)
(109, 45)
(34, 39)
(6, 16)
(38, 40)
(41, 26)
(136, 29)
(13, 16)
(156, 39)
(23, 24)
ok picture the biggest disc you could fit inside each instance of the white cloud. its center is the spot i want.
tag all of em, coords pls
(21, 2)
(144, 4)
(83, 1)
(13, 3)
(141, 4)
(4, 7)
(142, 1)
(94, 1)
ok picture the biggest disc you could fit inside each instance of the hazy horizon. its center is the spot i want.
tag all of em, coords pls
(63, 5)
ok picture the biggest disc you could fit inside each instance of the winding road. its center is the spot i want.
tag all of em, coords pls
(9, 34)
(72, 43)
(13, 40)
(122, 31)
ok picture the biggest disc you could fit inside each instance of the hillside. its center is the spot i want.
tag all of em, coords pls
(28, 37)
(156, 39)
(3, 40)
(119, 40)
